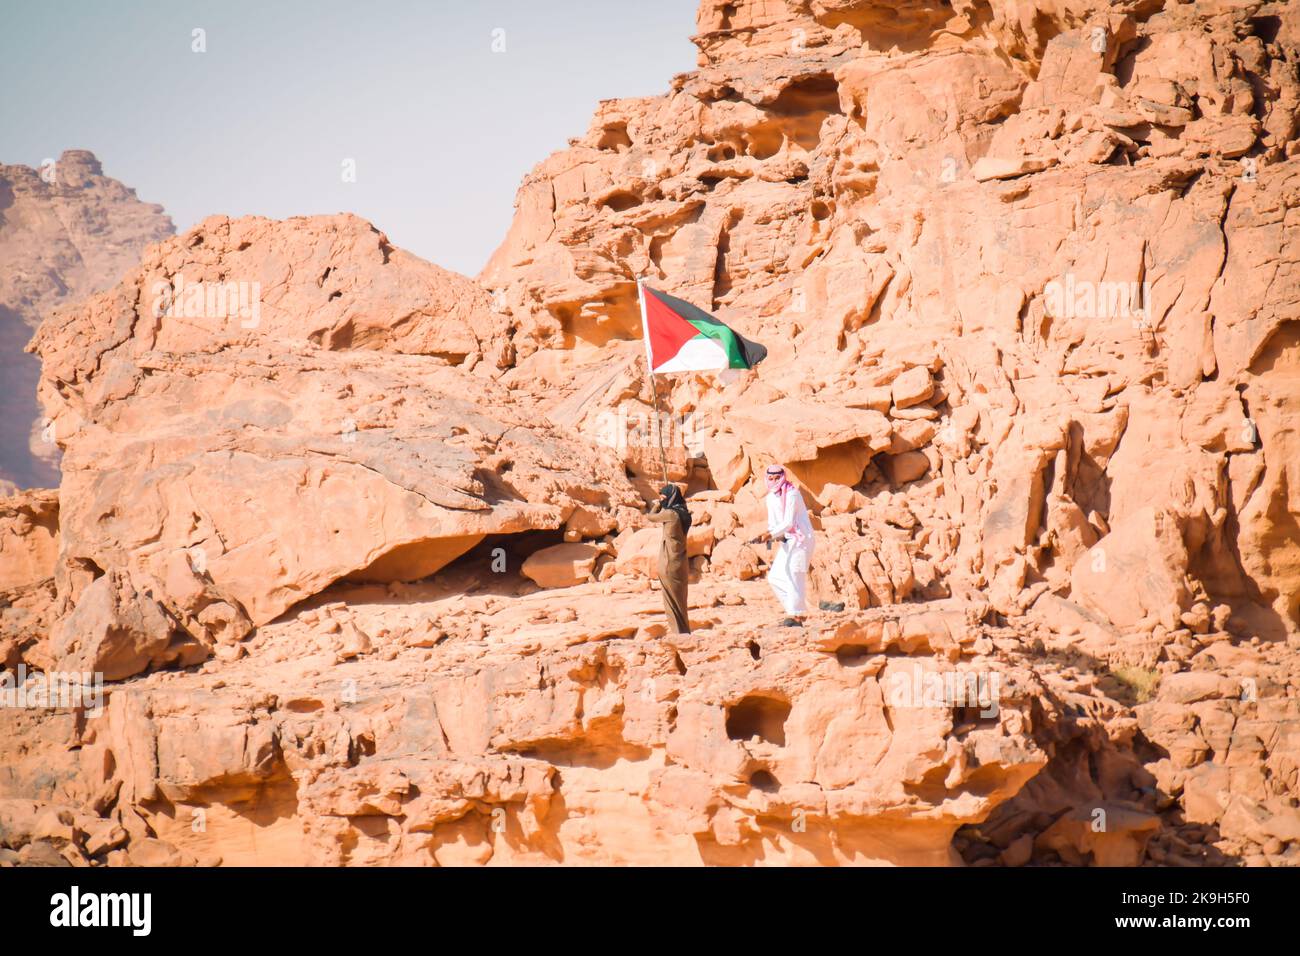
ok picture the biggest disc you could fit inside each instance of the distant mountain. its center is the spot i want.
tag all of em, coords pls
(66, 231)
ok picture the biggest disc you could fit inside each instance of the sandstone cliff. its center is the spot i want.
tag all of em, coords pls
(357, 540)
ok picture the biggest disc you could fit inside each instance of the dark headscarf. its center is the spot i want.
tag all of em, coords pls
(672, 498)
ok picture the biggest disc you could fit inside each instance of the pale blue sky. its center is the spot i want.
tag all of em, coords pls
(442, 128)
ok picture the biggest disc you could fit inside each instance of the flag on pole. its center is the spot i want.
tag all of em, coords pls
(682, 338)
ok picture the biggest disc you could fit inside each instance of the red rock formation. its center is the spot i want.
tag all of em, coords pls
(261, 409)
(1056, 217)
(66, 230)
(1027, 279)
(29, 542)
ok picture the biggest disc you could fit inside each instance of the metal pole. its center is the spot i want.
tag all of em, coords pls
(659, 423)
(654, 390)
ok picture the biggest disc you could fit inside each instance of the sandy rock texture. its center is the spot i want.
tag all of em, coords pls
(29, 547)
(227, 465)
(66, 230)
(1016, 351)
(475, 728)
(358, 543)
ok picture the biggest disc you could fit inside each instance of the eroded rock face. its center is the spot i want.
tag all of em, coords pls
(1026, 274)
(66, 230)
(321, 421)
(526, 735)
(29, 547)
(1036, 272)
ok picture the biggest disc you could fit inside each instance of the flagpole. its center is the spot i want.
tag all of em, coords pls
(649, 365)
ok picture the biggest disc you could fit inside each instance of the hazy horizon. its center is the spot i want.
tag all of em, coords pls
(441, 112)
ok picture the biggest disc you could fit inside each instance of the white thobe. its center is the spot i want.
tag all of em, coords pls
(788, 523)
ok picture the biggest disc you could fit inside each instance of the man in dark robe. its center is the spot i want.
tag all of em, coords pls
(673, 517)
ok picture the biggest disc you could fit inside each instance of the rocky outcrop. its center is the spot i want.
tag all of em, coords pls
(261, 409)
(481, 730)
(29, 545)
(66, 230)
(1028, 283)
(1007, 306)
(362, 539)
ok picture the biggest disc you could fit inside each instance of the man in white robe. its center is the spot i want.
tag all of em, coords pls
(789, 525)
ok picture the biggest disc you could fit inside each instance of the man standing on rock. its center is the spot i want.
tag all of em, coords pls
(671, 513)
(788, 524)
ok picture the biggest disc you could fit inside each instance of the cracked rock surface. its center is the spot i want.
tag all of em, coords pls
(368, 572)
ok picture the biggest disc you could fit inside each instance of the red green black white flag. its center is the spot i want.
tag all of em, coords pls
(682, 338)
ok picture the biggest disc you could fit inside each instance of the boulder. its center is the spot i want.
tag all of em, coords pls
(29, 544)
(1136, 573)
(562, 565)
(636, 552)
(908, 466)
(117, 631)
(277, 454)
(912, 387)
(789, 430)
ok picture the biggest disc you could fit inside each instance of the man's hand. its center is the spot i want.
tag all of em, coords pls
(762, 538)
